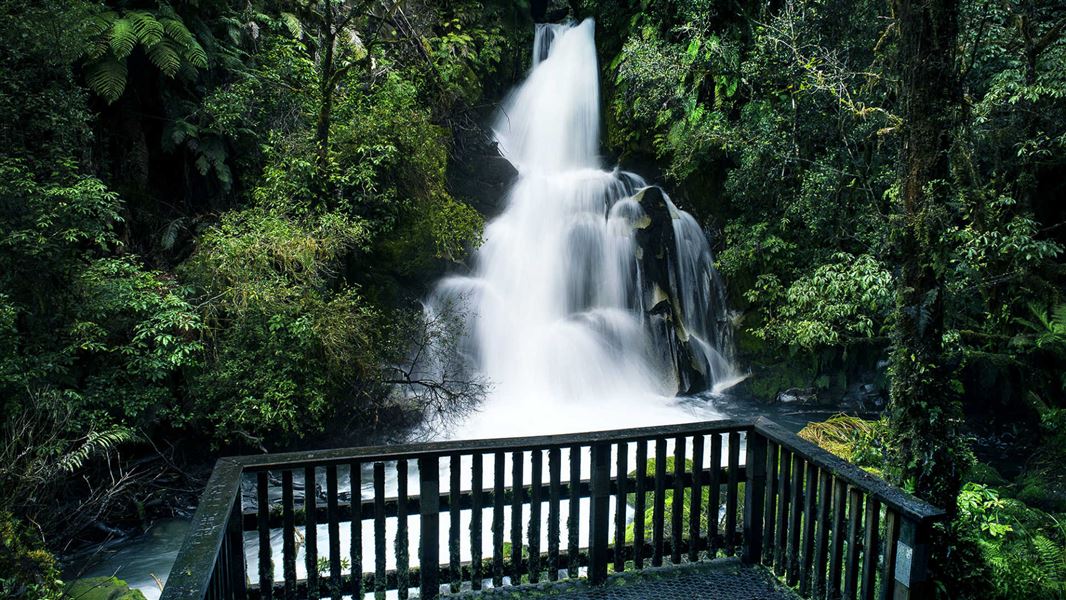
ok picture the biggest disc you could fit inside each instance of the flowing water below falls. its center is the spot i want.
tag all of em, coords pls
(594, 301)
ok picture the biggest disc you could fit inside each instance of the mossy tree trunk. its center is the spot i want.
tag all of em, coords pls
(925, 413)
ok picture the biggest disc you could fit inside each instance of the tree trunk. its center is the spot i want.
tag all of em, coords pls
(925, 413)
(326, 41)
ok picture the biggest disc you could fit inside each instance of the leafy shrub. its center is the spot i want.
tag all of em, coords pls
(27, 570)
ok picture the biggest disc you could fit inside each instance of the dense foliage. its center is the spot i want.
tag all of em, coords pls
(215, 217)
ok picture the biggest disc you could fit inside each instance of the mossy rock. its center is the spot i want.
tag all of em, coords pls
(686, 503)
(985, 474)
(1045, 493)
(102, 588)
(769, 381)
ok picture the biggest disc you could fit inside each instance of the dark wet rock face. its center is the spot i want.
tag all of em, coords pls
(657, 241)
(479, 176)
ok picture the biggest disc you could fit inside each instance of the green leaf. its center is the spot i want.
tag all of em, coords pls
(123, 38)
(292, 23)
(165, 56)
(107, 77)
(149, 31)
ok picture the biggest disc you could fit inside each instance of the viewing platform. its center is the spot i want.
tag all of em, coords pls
(724, 509)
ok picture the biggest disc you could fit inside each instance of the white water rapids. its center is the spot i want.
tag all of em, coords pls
(559, 311)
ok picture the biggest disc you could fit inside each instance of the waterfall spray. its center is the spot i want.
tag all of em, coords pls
(593, 301)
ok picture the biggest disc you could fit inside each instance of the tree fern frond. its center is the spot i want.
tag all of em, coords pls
(107, 77)
(96, 443)
(123, 38)
(293, 24)
(1059, 318)
(195, 55)
(165, 56)
(1052, 558)
(177, 31)
(192, 51)
(97, 48)
(100, 24)
(149, 30)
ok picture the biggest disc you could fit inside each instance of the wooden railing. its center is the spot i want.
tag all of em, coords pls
(509, 511)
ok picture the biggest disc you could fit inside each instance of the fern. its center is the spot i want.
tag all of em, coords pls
(149, 30)
(192, 51)
(292, 23)
(164, 56)
(96, 443)
(107, 77)
(167, 42)
(1051, 558)
(123, 38)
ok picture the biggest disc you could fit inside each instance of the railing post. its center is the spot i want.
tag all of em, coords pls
(237, 567)
(429, 501)
(912, 561)
(754, 496)
(599, 513)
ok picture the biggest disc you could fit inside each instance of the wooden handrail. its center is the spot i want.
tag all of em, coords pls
(906, 504)
(796, 514)
(343, 456)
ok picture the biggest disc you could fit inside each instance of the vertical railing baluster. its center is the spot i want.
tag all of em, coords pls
(870, 547)
(554, 516)
(379, 528)
(355, 483)
(770, 506)
(622, 469)
(754, 496)
(732, 489)
(238, 570)
(888, 564)
(455, 464)
(517, 501)
(429, 527)
(836, 551)
(784, 492)
(402, 544)
(333, 518)
(795, 519)
(599, 512)
(821, 542)
(639, 503)
(677, 505)
(311, 532)
(288, 535)
(573, 524)
(714, 498)
(536, 466)
(476, 485)
(695, 501)
(851, 571)
(497, 518)
(266, 565)
(810, 498)
(659, 504)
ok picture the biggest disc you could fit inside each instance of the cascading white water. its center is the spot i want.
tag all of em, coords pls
(562, 317)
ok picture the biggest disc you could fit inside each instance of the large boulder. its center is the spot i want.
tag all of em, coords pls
(657, 256)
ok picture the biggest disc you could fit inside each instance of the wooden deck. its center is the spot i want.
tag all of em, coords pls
(584, 515)
(721, 579)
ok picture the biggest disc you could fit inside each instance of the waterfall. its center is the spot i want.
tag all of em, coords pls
(593, 301)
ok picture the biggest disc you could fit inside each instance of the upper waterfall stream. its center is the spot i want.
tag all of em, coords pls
(593, 301)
